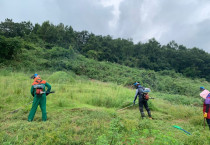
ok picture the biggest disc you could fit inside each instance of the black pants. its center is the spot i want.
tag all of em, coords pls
(143, 103)
(208, 122)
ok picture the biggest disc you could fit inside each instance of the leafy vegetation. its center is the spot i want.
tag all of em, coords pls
(151, 55)
(61, 59)
(9, 47)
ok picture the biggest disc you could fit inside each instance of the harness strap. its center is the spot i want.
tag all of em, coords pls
(39, 82)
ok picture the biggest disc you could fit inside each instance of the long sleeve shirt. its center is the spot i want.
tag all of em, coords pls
(139, 92)
(39, 81)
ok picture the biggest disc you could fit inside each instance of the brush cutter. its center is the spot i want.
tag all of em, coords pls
(204, 123)
(126, 107)
(21, 107)
(28, 104)
(175, 126)
(130, 106)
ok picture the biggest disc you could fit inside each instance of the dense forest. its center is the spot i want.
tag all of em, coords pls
(191, 62)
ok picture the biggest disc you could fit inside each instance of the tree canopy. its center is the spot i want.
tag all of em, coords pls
(192, 62)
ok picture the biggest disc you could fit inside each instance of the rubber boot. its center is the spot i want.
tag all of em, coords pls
(142, 115)
(149, 114)
(208, 122)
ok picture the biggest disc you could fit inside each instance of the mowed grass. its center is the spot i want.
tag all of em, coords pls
(85, 111)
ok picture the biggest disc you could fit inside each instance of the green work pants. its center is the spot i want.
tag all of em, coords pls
(38, 100)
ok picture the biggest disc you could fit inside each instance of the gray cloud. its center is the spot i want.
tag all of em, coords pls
(183, 21)
(186, 22)
(85, 15)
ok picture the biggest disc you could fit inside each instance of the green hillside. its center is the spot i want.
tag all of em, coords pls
(90, 91)
(85, 111)
(35, 58)
(191, 62)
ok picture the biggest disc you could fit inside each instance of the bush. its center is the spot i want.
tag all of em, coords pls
(9, 48)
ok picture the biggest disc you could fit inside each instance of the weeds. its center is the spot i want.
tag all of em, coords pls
(84, 111)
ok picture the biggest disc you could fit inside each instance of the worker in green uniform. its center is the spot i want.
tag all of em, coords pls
(39, 94)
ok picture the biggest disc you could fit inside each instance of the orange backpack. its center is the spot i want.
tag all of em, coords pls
(39, 86)
(146, 96)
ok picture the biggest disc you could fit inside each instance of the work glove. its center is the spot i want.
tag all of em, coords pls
(134, 102)
(205, 115)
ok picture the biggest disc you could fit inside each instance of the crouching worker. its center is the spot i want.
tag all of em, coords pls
(206, 104)
(142, 99)
(39, 94)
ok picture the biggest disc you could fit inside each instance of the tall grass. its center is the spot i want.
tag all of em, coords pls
(61, 59)
(84, 111)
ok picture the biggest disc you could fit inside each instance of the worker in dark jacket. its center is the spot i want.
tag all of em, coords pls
(142, 101)
(39, 94)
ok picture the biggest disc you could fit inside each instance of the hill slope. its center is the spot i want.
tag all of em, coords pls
(34, 58)
(85, 111)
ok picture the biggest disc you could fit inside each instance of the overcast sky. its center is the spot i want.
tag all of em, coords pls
(187, 22)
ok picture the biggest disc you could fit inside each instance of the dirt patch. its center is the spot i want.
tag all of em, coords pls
(179, 121)
(81, 109)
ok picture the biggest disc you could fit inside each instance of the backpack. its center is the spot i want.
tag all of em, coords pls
(146, 96)
(39, 86)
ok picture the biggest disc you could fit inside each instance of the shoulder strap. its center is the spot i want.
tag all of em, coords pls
(39, 82)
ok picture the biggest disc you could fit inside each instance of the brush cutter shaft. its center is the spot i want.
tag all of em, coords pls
(125, 108)
(185, 131)
(204, 123)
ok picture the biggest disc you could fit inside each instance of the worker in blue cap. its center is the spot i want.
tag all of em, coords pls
(206, 104)
(142, 101)
(39, 93)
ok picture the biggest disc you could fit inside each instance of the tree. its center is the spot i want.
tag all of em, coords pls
(11, 29)
(9, 48)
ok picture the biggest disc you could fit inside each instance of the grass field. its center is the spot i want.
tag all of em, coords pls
(85, 111)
